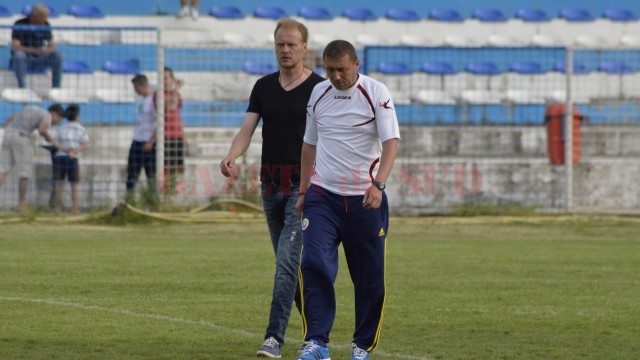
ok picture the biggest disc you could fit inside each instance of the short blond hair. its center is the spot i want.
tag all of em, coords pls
(288, 23)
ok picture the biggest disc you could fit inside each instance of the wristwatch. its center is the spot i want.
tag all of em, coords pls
(380, 185)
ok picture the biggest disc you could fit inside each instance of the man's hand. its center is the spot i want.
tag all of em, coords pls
(300, 204)
(228, 167)
(372, 198)
(148, 146)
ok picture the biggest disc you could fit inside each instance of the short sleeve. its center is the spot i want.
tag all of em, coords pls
(386, 118)
(311, 130)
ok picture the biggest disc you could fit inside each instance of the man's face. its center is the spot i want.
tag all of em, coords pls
(290, 48)
(140, 88)
(55, 118)
(38, 19)
(342, 72)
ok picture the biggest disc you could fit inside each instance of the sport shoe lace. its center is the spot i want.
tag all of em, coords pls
(359, 354)
(309, 348)
(271, 342)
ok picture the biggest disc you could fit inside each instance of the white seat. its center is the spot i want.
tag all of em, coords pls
(629, 40)
(546, 40)
(591, 41)
(115, 95)
(502, 40)
(560, 95)
(480, 97)
(320, 40)
(18, 95)
(523, 97)
(237, 39)
(368, 39)
(70, 95)
(458, 40)
(434, 97)
(416, 40)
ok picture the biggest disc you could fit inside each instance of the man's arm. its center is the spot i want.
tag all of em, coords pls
(43, 128)
(373, 195)
(240, 143)
(9, 120)
(148, 146)
(307, 160)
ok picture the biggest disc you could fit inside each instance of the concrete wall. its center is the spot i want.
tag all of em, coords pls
(438, 169)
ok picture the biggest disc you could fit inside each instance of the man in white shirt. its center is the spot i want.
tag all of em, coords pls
(349, 147)
(17, 148)
(142, 154)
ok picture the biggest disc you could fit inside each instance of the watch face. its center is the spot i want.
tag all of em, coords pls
(381, 185)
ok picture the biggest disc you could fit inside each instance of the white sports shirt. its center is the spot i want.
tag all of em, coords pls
(348, 128)
(146, 116)
(71, 135)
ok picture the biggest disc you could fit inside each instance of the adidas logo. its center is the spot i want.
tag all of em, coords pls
(381, 233)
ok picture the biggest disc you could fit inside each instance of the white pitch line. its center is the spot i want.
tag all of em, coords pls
(201, 323)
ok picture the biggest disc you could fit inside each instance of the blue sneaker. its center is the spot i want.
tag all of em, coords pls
(270, 348)
(358, 354)
(314, 351)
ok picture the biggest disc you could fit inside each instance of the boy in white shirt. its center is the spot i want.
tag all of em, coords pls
(71, 140)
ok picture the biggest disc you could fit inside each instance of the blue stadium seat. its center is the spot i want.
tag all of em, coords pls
(445, 15)
(315, 13)
(482, 68)
(526, 67)
(393, 68)
(578, 68)
(4, 12)
(615, 67)
(400, 14)
(619, 15)
(575, 15)
(86, 11)
(359, 14)
(26, 10)
(489, 15)
(269, 12)
(226, 12)
(258, 68)
(437, 68)
(76, 67)
(532, 15)
(122, 67)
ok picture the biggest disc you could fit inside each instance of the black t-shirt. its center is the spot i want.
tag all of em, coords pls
(284, 116)
(31, 35)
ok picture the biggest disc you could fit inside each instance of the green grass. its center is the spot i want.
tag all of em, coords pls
(478, 288)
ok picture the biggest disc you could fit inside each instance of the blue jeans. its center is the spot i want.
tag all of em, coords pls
(22, 62)
(286, 237)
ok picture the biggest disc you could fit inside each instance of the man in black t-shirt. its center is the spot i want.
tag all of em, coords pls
(33, 47)
(280, 100)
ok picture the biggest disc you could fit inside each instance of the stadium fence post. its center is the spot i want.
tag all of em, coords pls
(568, 133)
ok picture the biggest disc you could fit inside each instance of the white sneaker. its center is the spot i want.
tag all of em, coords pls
(184, 12)
(194, 14)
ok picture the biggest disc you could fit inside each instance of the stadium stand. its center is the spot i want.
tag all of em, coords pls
(489, 15)
(226, 12)
(83, 11)
(445, 15)
(269, 12)
(315, 13)
(359, 14)
(401, 14)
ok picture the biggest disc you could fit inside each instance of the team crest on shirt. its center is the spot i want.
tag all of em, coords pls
(386, 104)
(305, 223)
